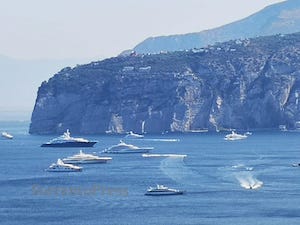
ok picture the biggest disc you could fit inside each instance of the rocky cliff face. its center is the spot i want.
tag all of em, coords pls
(244, 84)
(280, 18)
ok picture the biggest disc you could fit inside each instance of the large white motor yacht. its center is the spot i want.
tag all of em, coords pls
(7, 135)
(122, 147)
(163, 190)
(66, 140)
(84, 158)
(134, 135)
(60, 166)
(234, 136)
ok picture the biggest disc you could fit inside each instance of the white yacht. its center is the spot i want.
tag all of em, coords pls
(84, 158)
(122, 147)
(234, 136)
(134, 135)
(162, 190)
(66, 140)
(60, 166)
(7, 135)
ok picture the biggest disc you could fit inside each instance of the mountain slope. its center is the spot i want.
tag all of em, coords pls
(254, 83)
(279, 18)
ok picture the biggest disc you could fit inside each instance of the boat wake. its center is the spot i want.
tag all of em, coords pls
(241, 166)
(242, 173)
(248, 181)
(175, 168)
(161, 139)
(163, 155)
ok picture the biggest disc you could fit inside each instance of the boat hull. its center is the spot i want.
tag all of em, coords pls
(144, 150)
(164, 193)
(134, 137)
(63, 171)
(86, 161)
(235, 139)
(70, 144)
(7, 136)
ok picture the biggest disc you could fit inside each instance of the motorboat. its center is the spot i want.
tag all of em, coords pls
(122, 147)
(282, 128)
(234, 136)
(7, 135)
(253, 186)
(66, 140)
(163, 190)
(296, 164)
(134, 135)
(60, 166)
(84, 158)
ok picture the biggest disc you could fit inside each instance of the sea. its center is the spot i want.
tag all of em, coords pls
(215, 175)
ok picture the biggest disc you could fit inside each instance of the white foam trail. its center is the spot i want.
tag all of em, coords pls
(161, 139)
(163, 155)
(241, 166)
(175, 169)
(248, 181)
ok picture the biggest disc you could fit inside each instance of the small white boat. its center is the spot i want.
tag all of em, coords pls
(84, 158)
(234, 136)
(134, 135)
(7, 135)
(60, 166)
(282, 128)
(253, 186)
(122, 147)
(163, 190)
(296, 164)
(250, 187)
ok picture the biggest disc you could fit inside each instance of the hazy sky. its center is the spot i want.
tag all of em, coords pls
(47, 35)
(60, 29)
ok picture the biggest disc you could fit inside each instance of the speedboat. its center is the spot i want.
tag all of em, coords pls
(162, 190)
(134, 135)
(66, 140)
(282, 128)
(296, 164)
(60, 166)
(252, 185)
(122, 147)
(234, 136)
(7, 135)
(84, 158)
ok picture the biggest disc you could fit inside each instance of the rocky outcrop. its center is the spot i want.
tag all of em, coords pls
(244, 84)
(280, 18)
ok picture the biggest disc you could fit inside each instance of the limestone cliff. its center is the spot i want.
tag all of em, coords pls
(250, 83)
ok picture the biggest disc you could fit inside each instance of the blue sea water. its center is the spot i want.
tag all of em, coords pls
(113, 194)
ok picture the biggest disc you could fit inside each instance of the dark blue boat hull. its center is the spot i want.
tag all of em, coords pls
(70, 144)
